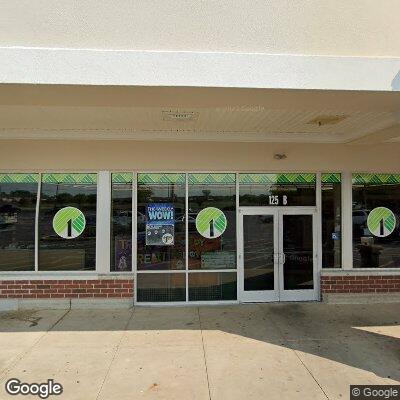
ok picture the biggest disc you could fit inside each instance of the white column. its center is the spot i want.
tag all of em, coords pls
(347, 221)
(103, 229)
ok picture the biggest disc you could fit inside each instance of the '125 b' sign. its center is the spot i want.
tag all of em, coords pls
(275, 200)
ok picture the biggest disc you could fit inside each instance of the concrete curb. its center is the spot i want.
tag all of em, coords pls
(64, 304)
(360, 298)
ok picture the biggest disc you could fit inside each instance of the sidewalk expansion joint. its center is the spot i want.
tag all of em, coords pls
(294, 351)
(204, 354)
(118, 345)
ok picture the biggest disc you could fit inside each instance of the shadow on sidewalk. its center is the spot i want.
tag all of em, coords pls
(366, 337)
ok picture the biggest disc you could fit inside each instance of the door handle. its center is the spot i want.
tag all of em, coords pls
(280, 258)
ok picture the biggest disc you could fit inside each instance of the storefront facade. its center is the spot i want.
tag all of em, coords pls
(126, 237)
(214, 154)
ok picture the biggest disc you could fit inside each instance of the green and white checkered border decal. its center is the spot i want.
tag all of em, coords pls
(79, 178)
(375, 179)
(200, 178)
(122, 177)
(331, 177)
(19, 178)
(157, 179)
(284, 178)
(210, 179)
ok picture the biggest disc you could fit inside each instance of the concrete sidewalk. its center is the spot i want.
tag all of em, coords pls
(270, 351)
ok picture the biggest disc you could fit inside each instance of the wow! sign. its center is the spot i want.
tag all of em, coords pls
(160, 213)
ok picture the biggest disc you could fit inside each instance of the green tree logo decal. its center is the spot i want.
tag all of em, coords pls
(211, 222)
(381, 222)
(69, 222)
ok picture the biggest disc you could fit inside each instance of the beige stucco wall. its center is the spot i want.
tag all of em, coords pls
(33, 155)
(328, 27)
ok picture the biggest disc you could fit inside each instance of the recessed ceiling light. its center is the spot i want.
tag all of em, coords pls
(180, 116)
(327, 120)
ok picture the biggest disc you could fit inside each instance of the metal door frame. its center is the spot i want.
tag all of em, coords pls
(258, 295)
(304, 294)
(278, 294)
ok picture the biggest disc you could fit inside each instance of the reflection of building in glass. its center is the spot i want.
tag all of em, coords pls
(17, 221)
(67, 190)
(369, 193)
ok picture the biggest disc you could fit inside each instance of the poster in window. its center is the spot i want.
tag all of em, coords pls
(123, 253)
(160, 224)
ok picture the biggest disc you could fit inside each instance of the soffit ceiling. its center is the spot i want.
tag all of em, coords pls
(198, 114)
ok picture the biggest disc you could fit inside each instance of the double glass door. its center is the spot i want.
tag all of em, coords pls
(277, 254)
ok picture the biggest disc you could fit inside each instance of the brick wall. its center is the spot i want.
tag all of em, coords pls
(123, 288)
(360, 284)
(53, 289)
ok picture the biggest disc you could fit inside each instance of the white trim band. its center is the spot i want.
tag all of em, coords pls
(196, 69)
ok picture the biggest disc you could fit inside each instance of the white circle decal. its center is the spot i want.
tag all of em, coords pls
(381, 222)
(211, 222)
(69, 222)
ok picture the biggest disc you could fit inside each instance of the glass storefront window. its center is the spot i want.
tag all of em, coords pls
(285, 189)
(298, 249)
(121, 222)
(161, 287)
(161, 227)
(68, 242)
(331, 209)
(18, 194)
(258, 252)
(376, 220)
(212, 286)
(67, 222)
(214, 196)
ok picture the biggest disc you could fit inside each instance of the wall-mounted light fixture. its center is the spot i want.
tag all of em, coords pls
(280, 156)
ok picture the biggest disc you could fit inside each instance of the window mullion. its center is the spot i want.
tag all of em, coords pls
(39, 191)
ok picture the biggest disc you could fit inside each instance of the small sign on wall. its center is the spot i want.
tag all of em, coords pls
(335, 235)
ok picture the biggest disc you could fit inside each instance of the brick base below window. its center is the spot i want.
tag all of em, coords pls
(123, 288)
(66, 289)
(360, 284)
